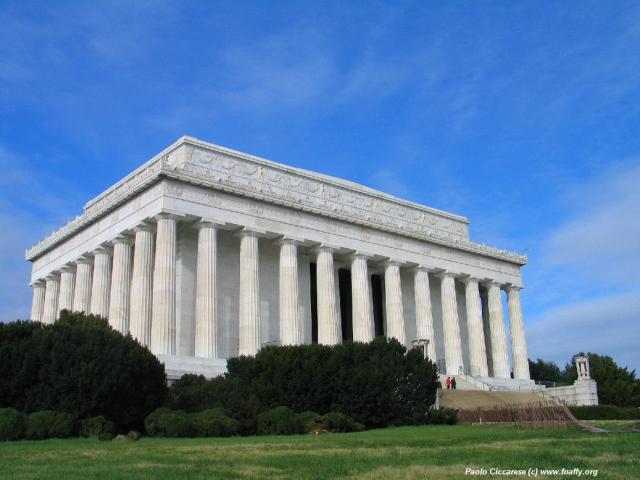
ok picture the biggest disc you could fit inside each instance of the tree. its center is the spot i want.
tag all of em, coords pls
(616, 385)
(545, 371)
(378, 383)
(79, 365)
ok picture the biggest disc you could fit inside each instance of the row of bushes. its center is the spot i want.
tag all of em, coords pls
(605, 412)
(216, 422)
(378, 384)
(16, 425)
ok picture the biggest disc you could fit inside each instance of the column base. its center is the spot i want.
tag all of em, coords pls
(178, 365)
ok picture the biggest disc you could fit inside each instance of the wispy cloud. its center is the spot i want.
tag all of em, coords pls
(589, 277)
(606, 325)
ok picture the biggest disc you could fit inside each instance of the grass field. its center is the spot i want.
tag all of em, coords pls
(438, 452)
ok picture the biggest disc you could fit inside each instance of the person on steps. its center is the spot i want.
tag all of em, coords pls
(453, 383)
(448, 383)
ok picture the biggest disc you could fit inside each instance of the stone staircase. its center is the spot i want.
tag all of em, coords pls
(466, 399)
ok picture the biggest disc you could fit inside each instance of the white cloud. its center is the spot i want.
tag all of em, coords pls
(609, 325)
(602, 241)
(590, 273)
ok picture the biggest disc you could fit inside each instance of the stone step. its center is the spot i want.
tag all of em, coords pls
(470, 399)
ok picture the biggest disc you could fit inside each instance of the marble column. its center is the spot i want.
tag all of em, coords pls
(206, 296)
(393, 302)
(67, 281)
(329, 326)
(424, 314)
(518, 340)
(451, 325)
(37, 304)
(477, 351)
(361, 300)
(142, 285)
(119, 302)
(163, 322)
(290, 325)
(249, 312)
(499, 353)
(51, 295)
(82, 290)
(101, 282)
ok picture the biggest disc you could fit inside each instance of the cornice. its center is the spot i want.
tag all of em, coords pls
(222, 169)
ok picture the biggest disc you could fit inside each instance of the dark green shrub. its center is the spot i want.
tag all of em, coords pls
(377, 384)
(151, 422)
(215, 423)
(605, 412)
(279, 421)
(339, 422)
(133, 436)
(79, 365)
(13, 424)
(105, 436)
(311, 421)
(96, 426)
(50, 424)
(175, 423)
(443, 416)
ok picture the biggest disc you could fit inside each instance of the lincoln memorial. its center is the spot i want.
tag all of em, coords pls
(205, 253)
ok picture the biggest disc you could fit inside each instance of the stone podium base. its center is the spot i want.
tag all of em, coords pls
(177, 365)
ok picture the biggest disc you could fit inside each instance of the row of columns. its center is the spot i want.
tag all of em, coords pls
(139, 296)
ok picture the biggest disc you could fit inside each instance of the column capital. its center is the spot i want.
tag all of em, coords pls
(122, 239)
(359, 254)
(511, 287)
(52, 276)
(167, 216)
(392, 262)
(249, 232)
(37, 283)
(323, 248)
(144, 227)
(105, 250)
(441, 274)
(83, 259)
(489, 282)
(286, 240)
(67, 268)
(467, 279)
(204, 223)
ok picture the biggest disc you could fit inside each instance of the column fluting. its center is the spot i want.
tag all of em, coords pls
(424, 313)
(67, 281)
(393, 302)
(82, 290)
(51, 295)
(451, 326)
(361, 300)
(290, 325)
(329, 326)
(477, 351)
(101, 287)
(119, 302)
(499, 353)
(249, 311)
(163, 323)
(206, 296)
(142, 285)
(518, 339)
(37, 304)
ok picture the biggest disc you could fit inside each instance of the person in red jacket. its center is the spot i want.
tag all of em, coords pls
(448, 383)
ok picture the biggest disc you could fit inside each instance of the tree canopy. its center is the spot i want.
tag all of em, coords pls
(79, 365)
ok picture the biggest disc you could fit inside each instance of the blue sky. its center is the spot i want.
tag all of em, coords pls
(522, 116)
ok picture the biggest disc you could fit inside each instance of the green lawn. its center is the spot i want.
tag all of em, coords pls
(438, 452)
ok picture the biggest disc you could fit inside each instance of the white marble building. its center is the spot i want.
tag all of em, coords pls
(204, 253)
